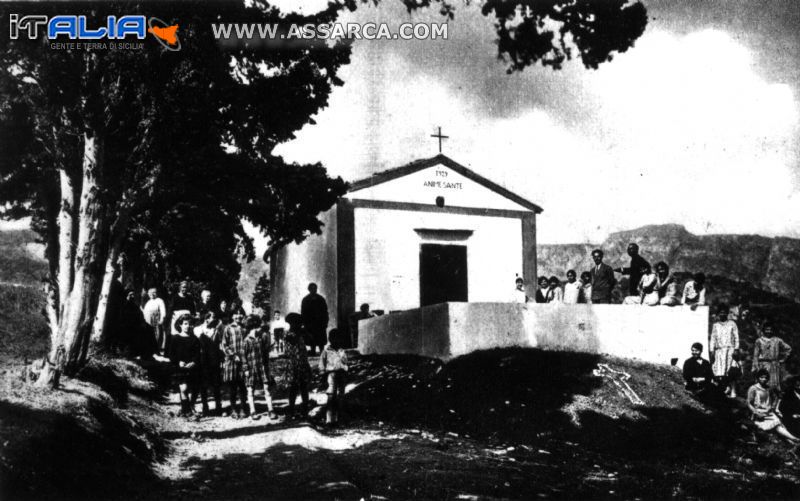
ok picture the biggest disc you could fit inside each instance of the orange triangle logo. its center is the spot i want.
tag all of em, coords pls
(168, 34)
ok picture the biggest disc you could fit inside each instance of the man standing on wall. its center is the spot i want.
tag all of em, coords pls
(634, 270)
(603, 280)
(314, 311)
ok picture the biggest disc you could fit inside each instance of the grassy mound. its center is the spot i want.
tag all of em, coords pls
(527, 400)
(80, 442)
(510, 394)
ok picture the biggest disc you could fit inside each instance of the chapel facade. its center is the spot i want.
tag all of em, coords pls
(429, 232)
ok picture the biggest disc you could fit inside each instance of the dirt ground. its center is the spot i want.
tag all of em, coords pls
(505, 424)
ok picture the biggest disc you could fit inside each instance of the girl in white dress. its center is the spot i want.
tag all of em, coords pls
(724, 343)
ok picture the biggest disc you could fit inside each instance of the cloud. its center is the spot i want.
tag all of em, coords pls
(681, 129)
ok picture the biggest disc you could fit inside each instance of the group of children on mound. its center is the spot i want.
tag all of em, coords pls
(770, 409)
(236, 355)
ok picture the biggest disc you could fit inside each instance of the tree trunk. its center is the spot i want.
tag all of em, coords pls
(119, 232)
(77, 283)
(61, 282)
(91, 223)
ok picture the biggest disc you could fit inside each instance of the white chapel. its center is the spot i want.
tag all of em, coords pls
(429, 232)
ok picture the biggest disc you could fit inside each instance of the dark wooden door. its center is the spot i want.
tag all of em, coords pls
(442, 273)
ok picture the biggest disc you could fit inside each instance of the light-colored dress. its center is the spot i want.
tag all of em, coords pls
(647, 286)
(724, 342)
(519, 296)
(763, 399)
(691, 296)
(667, 291)
(586, 293)
(770, 353)
(572, 292)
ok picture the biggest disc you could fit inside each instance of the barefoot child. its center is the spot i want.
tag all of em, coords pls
(256, 365)
(333, 364)
(297, 370)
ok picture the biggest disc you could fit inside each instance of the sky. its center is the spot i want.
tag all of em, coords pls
(698, 124)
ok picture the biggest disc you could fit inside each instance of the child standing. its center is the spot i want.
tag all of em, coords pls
(208, 334)
(184, 353)
(232, 374)
(572, 289)
(724, 343)
(256, 365)
(298, 372)
(586, 288)
(278, 328)
(333, 364)
(554, 293)
(541, 292)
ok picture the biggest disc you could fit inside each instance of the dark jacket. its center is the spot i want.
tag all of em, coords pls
(603, 282)
(635, 272)
(692, 369)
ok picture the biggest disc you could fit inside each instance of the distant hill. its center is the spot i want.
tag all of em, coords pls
(21, 258)
(769, 264)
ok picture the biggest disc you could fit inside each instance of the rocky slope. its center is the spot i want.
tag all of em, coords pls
(771, 264)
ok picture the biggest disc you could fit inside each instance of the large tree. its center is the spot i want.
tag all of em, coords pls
(142, 153)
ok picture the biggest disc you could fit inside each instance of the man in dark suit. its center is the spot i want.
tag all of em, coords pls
(603, 280)
(634, 270)
(314, 311)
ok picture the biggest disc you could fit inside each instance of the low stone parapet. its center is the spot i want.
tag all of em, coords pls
(653, 334)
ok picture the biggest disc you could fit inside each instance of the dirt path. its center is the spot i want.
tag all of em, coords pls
(223, 458)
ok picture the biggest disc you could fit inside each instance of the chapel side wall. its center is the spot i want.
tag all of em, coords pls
(387, 255)
(312, 260)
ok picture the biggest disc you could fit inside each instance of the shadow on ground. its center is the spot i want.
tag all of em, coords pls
(51, 455)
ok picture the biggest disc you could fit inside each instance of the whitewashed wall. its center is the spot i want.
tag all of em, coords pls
(313, 260)
(387, 255)
(652, 334)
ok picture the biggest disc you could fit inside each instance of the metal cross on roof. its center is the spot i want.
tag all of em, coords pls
(440, 136)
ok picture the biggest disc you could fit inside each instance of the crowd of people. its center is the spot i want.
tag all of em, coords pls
(647, 285)
(214, 345)
(773, 399)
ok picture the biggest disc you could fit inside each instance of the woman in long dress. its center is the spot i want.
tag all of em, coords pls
(724, 343)
(770, 353)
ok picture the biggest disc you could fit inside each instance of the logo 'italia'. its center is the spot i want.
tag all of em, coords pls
(167, 34)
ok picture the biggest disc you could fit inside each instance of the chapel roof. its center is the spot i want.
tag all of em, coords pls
(440, 159)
